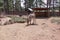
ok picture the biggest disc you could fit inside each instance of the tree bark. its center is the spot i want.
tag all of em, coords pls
(6, 8)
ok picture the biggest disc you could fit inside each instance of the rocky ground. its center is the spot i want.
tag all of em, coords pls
(44, 30)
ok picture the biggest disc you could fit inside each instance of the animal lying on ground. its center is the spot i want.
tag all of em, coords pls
(5, 20)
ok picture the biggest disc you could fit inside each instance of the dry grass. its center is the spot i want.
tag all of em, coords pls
(45, 30)
(55, 20)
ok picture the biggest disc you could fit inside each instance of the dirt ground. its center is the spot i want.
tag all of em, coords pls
(44, 30)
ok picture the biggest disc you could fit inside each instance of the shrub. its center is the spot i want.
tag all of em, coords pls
(17, 19)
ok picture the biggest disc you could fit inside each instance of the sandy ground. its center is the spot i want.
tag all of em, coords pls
(44, 30)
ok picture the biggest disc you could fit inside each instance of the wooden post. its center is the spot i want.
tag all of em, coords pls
(53, 8)
(48, 6)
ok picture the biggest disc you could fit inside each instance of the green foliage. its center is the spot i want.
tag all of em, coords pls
(31, 2)
(18, 5)
(17, 19)
(1, 4)
(14, 6)
(10, 5)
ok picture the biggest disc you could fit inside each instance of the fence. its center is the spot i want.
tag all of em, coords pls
(42, 12)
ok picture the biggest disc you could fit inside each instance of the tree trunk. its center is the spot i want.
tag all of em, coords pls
(6, 8)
